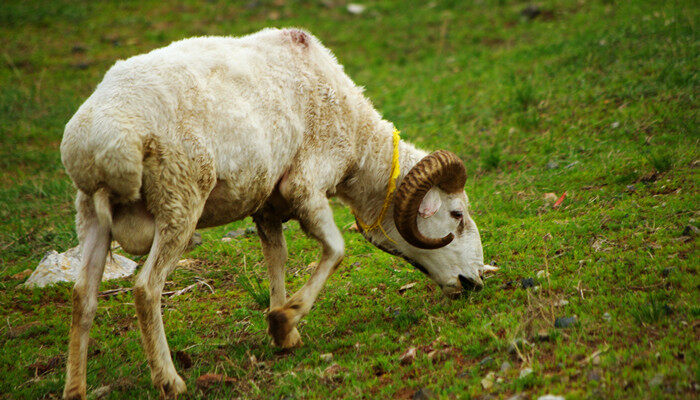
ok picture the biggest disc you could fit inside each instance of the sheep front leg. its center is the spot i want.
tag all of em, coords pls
(316, 218)
(274, 249)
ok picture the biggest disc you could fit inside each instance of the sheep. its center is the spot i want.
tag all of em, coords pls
(210, 130)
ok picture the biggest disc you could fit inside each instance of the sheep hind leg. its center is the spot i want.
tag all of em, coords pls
(171, 236)
(316, 217)
(94, 241)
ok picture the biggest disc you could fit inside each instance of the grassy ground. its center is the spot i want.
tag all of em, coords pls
(597, 99)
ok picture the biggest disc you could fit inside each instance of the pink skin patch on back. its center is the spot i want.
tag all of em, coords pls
(298, 37)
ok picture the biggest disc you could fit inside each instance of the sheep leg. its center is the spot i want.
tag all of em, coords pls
(316, 218)
(94, 240)
(170, 240)
(274, 249)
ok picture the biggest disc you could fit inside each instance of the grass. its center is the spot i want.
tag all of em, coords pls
(598, 99)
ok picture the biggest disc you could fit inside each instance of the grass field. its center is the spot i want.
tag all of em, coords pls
(595, 99)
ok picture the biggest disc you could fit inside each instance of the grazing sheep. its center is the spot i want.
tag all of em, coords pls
(210, 130)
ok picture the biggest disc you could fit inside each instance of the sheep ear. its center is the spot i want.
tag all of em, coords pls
(430, 204)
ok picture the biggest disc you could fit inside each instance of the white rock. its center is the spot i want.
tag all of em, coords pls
(551, 397)
(487, 382)
(354, 8)
(525, 372)
(326, 357)
(64, 267)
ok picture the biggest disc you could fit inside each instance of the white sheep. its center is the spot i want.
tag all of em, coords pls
(210, 130)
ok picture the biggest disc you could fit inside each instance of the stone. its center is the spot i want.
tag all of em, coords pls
(531, 11)
(542, 274)
(64, 267)
(487, 381)
(326, 357)
(100, 392)
(615, 125)
(505, 367)
(595, 375)
(354, 8)
(408, 356)
(528, 283)
(657, 380)
(516, 397)
(551, 397)
(486, 362)
(552, 165)
(691, 230)
(550, 197)
(607, 316)
(525, 372)
(565, 322)
(424, 394)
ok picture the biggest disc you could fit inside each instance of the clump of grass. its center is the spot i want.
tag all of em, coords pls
(491, 158)
(255, 289)
(652, 310)
(661, 160)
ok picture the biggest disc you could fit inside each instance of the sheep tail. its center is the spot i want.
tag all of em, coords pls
(102, 207)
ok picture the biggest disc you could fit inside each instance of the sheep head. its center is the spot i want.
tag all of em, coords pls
(434, 231)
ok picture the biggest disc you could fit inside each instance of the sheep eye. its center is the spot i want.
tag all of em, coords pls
(456, 214)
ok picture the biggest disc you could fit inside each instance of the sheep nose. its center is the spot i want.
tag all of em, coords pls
(470, 283)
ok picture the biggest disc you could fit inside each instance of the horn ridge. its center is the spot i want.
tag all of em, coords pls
(440, 168)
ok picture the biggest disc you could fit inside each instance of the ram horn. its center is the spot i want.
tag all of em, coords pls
(440, 168)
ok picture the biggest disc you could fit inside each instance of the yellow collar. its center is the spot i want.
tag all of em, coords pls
(391, 187)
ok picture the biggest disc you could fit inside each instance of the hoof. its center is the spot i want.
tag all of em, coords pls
(74, 393)
(172, 388)
(292, 340)
(280, 327)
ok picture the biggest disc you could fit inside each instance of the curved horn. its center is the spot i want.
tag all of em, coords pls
(440, 168)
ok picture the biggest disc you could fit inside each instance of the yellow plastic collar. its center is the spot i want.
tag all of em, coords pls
(391, 187)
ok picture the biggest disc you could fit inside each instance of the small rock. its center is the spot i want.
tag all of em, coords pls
(225, 239)
(542, 274)
(691, 230)
(595, 375)
(516, 397)
(657, 380)
(505, 367)
(408, 356)
(525, 372)
(531, 12)
(100, 392)
(487, 362)
(615, 125)
(407, 286)
(195, 241)
(550, 197)
(561, 303)
(78, 49)
(528, 283)
(354, 8)
(607, 316)
(333, 372)
(551, 397)
(564, 322)
(552, 165)
(326, 357)
(487, 382)
(424, 394)
(543, 335)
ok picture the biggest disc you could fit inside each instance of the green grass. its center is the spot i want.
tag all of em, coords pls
(598, 99)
